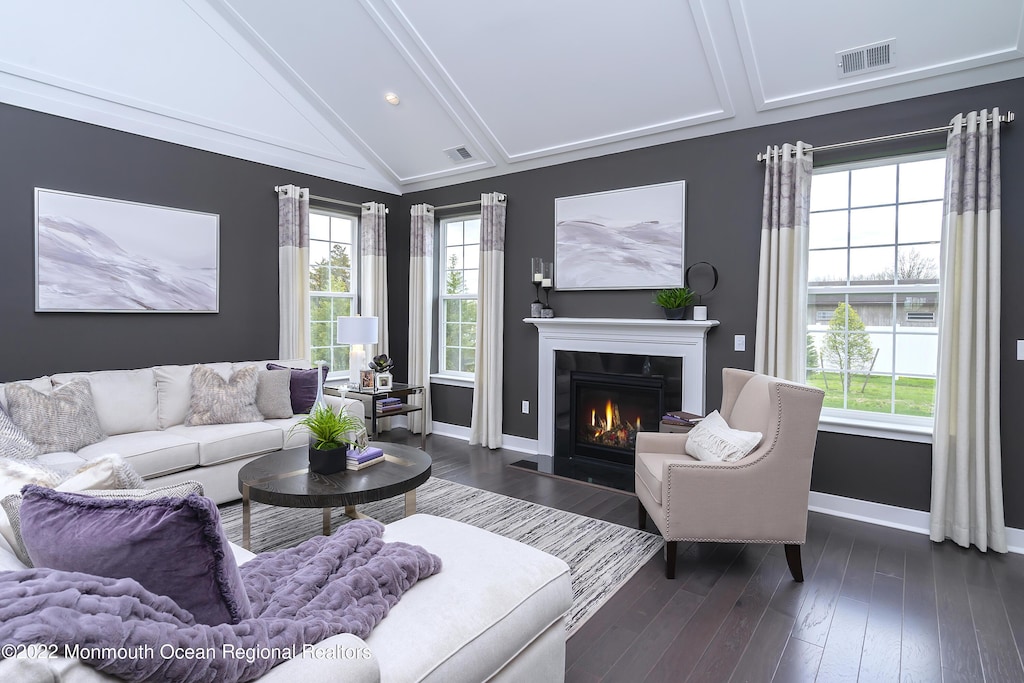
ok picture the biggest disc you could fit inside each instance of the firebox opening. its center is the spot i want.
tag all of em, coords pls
(607, 411)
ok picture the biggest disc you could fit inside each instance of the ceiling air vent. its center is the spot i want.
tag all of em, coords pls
(459, 155)
(861, 60)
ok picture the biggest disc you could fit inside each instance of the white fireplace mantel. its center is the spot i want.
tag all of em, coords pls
(685, 339)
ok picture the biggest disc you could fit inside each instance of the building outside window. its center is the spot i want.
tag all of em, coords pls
(332, 283)
(459, 279)
(873, 288)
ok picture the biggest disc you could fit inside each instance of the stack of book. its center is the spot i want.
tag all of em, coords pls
(387, 404)
(678, 417)
(358, 460)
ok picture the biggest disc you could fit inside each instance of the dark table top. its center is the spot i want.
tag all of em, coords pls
(283, 478)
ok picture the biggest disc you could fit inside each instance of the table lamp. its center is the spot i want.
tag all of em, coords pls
(355, 331)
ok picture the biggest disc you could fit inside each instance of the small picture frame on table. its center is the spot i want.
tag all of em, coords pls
(366, 379)
(382, 381)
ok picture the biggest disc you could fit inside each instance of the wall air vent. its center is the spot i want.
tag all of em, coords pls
(459, 155)
(861, 60)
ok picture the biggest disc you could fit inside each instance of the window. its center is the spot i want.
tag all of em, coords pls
(332, 283)
(873, 289)
(459, 279)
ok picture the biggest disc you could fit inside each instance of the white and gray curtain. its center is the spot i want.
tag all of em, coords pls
(421, 281)
(373, 267)
(293, 271)
(967, 489)
(780, 345)
(485, 428)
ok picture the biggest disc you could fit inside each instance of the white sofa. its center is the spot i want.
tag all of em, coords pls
(142, 413)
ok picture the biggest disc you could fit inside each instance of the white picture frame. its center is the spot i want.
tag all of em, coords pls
(632, 238)
(96, 254)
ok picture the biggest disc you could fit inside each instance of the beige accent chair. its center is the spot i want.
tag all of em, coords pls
(760, 498)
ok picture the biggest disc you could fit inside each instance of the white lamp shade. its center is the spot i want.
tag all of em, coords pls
(357, 329)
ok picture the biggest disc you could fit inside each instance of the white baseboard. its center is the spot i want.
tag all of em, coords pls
(891, 516)
(509, 442)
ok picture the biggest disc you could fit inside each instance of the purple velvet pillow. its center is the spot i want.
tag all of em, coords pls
(303, 386)
(172, 546)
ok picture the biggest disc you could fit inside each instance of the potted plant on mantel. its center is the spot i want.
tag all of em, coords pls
(330, 436)
(674, 301)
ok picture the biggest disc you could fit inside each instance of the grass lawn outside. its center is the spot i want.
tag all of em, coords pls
(914, 395)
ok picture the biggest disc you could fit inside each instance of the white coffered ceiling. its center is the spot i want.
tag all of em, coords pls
(519, 84)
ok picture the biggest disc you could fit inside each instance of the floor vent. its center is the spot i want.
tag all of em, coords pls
(861, 60)
(459, 155)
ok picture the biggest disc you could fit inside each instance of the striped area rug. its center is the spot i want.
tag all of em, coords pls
(602, 555)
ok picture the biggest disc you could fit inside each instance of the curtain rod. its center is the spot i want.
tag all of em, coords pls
(463, 204)
(1003, 118)
(278, 188)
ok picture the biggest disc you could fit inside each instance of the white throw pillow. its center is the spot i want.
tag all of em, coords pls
(714, 440)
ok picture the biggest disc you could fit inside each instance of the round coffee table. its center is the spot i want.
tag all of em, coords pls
(283, 478)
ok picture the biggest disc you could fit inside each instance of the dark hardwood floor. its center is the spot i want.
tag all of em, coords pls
(877, 604)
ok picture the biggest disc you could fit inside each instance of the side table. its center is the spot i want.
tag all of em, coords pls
(370, 398)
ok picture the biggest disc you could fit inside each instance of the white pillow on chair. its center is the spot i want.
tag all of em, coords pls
(714, 440)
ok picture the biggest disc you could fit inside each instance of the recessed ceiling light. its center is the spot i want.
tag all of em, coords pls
(392, 98)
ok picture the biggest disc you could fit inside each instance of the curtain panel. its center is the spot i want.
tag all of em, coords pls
(421, 286)
(293, 271)
(780, 345)
(485, 427)
(373, 268)
(967, 489)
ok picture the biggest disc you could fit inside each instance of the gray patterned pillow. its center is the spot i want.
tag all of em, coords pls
(14, 443)
(12, 505)
(215, 401)
(64, 420)
(274, 394)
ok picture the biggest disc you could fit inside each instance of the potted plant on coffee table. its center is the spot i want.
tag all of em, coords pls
(330, 436)
(674, 301)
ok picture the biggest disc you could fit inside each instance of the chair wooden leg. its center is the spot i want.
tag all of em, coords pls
(641, 515)
(793, 560)
(670, 559)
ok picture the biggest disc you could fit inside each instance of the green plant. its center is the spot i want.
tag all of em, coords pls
(677, 297)
(329, 430)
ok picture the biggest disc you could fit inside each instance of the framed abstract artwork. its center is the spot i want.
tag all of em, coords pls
(95, 254)
(621, 239)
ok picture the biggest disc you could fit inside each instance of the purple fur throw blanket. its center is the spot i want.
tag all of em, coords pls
(345, 583)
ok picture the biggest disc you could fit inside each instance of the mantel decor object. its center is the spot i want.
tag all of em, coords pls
(708, 281)
(546, 283)
(537, 276)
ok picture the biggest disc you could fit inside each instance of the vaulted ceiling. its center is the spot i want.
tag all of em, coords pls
(516, 84)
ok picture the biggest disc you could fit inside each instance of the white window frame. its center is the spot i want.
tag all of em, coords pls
(864, 423)
(443, 376)
(352, 295)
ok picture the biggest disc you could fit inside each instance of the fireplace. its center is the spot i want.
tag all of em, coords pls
(606, 411)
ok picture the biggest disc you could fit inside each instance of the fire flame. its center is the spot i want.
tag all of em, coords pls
(608, 415)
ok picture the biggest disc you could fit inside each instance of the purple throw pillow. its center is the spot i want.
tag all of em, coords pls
(303, 386)
(172, 546)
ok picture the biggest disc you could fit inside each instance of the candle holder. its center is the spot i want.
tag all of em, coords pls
(537, 275)
(547, 283)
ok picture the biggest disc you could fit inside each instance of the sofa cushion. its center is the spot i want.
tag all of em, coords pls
(63, 420)
(13, 441)
(150, 453)
(304, 385)
(294, 436)
(215, 400)
(125, 399)
(273, 394)
(12, 505)
(173, 392)
(41, 384)
(220, 443)
(172, 546)
(468, 645)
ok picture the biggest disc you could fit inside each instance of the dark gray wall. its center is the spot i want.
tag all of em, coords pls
(39, 150)
(724, 185)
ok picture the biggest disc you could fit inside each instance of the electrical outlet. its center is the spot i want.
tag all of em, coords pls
(526, 407)
(739, 342)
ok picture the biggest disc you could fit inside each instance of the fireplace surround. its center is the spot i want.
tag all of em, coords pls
(684, 340)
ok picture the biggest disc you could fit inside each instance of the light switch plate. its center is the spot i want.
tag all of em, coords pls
(740, 342)
(1020, 349)
(526, 407)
